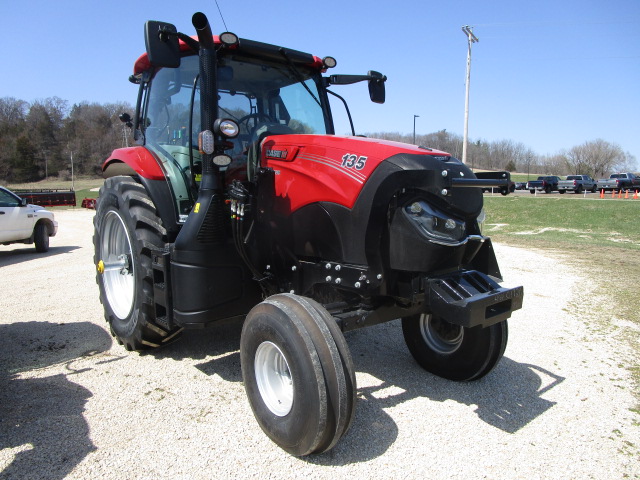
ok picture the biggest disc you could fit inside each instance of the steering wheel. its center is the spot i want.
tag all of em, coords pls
(256, 117)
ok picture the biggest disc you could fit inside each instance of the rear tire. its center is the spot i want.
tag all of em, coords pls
(297, 373)
(41, 238)
(126, 229)
(451, 351)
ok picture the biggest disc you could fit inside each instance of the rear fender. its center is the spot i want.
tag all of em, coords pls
(140, 163)
(133, 161)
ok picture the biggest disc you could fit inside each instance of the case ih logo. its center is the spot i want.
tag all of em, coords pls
(277, 154)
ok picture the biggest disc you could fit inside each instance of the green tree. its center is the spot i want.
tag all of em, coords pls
(25, 165)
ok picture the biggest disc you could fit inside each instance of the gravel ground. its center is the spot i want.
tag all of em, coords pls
(74, 404)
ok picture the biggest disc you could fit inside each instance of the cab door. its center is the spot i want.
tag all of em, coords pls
(15, 218)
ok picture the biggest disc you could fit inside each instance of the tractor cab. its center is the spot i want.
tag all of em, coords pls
(262, 90)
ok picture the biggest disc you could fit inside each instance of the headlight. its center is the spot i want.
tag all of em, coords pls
(435, 225)
(226, 127)
(482, 217)
(221, 160)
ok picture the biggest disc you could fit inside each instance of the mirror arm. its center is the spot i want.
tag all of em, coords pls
(191, 43)
(350, 79)
(347, 79)
(346, 107)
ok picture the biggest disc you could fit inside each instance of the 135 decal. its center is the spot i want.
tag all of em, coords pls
(354, 161)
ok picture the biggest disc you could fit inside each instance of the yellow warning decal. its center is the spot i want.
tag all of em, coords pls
(196, 209)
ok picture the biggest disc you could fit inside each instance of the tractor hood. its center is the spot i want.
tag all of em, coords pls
(335, 169)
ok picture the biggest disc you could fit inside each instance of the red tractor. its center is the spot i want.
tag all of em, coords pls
(240, 202)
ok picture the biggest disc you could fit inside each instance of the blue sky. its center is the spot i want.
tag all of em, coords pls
(549, 74)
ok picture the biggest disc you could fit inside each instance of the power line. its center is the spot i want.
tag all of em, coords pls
(559, 24)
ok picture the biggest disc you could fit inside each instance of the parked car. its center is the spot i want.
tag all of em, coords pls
(577, 184)
(547, 184)
(620, 181)
(21, 222)
(521, 185)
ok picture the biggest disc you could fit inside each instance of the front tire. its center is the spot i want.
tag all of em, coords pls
(41, 238)
(451, 351)
(126, 229)
(298, 374)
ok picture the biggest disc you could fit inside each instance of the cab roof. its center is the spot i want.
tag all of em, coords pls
(247, 47)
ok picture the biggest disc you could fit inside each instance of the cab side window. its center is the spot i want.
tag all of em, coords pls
(8, 200)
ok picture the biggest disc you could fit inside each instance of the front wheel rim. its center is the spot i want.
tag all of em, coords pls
(273, 377)
(115, 248)
(440, 336)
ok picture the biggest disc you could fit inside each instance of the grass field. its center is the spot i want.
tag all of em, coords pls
(601, 240)
(82, 186)
(567, 222)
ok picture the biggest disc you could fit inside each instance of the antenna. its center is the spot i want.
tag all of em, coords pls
(220, 11)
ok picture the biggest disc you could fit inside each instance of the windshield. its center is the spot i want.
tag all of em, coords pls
(250, 92)
(259, 95)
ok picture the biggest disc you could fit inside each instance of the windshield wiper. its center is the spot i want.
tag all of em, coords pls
(296, 73)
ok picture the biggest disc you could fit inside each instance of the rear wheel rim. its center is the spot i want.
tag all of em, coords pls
(118, 280)
(442, 337)
(273, 377)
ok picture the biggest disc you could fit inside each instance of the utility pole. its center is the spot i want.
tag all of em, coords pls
(414, 128)
(72, 185)
(471, 38)
(46, 165)
(125, 137)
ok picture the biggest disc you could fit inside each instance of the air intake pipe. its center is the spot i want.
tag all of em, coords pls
(208, 93)
(205, 225)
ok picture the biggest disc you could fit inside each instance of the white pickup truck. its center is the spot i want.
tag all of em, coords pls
(24, 223)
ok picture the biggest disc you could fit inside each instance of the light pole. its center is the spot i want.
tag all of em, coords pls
(72, 185)
(471, 38)
(414, 128)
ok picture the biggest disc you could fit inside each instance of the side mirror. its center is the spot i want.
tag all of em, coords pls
(376, 86)
(161, 40)
(376, 83)
(23, 202)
